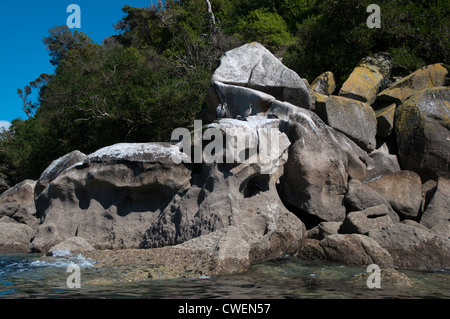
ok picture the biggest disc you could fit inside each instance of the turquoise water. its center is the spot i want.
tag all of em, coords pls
(29, 276)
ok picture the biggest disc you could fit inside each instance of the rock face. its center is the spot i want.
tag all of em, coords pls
(437, 214)
(360, 197)
(134, 196)
(423, 133)
(355, 119)
(254, 68)
(424, 78)
(363, 221)
(318, 167)
(413, 247)
(241, 195)
(111, 197)
(385, 120)
(280, 180)
(15, 237)
(18, 222)
(366, 80)
(355, 250)
(402, 190)
(56, 168)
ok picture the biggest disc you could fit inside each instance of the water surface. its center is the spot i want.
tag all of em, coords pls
(30, 276)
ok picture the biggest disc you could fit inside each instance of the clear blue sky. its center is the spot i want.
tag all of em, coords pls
(23, 25)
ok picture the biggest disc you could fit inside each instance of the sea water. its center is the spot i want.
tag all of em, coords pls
(33, 276)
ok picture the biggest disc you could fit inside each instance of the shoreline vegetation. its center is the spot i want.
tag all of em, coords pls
(359, 175)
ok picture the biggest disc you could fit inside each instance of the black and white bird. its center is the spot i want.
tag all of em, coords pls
(221, 111)
(248, 112)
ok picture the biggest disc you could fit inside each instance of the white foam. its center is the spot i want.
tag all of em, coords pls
(63, 259)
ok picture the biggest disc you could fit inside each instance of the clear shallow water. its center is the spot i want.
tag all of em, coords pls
(30, 276)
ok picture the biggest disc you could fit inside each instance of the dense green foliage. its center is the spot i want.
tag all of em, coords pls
(336, 36)
(152, 78)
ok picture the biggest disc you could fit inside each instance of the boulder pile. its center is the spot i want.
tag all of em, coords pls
(359, 177)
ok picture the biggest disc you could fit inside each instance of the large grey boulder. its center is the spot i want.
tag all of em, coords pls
(402, 190)
(348, 249)
(15, 237)
(363, 221)
(253, 67)
(437, 214)
(111, 197)
(55, 168)
(320, 162)
(368, 78)
(22, 193)
(423, 133)
(17, 203)
(355, 119)
(382, 163)
(360, 197)
(427, 77)
(413, 247)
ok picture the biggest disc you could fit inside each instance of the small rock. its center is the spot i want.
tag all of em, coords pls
(363, 221)
(324, 83)
(355, 250)
(385, 120)
(390, 278)
(74, 245)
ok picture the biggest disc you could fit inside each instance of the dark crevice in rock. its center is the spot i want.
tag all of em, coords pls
(309, 220)
(254, 185)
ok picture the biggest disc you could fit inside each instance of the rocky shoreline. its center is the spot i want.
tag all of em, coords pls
(358, 178)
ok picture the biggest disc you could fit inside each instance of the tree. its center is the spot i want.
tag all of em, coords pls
(61, 40)
(265, 27)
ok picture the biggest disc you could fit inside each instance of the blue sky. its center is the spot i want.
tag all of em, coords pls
(23, 25)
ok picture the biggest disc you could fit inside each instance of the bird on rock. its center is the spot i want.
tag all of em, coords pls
(248, 112)
(221, 111)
